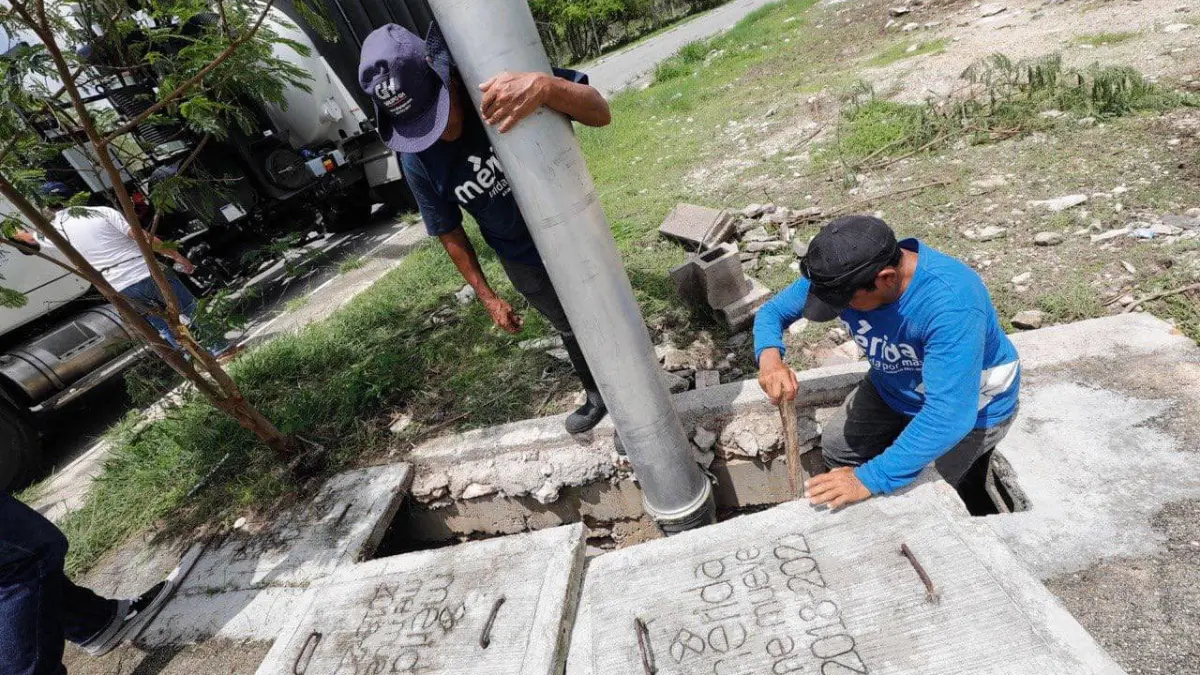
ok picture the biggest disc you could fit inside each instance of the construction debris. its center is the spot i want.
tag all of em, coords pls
(697, 226)
(715, 279)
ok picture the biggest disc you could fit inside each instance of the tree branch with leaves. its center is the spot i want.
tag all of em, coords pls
(201, 71)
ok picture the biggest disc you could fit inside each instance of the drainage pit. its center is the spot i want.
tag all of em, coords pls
(612, 512)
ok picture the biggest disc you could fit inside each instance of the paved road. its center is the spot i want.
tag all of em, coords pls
(75, 455)
(634, 65)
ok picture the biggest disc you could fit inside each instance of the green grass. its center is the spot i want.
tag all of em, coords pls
(1106, 38)
(682, 62)
(901, 51)
(351, 264)
(296, 303)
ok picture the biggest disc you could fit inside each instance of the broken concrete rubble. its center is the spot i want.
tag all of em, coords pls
(716, 279)
(697, 226)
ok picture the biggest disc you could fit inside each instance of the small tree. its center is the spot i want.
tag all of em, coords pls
(203, 69)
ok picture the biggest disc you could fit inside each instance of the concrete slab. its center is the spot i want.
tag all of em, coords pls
(244, 586)
(429, 612)
(1108, 434)
(801, 590)
(696, 225)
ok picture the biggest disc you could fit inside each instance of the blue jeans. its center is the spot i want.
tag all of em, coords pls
(39, 606)
(148, 300)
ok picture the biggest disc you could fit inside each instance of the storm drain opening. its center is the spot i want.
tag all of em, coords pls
(990, 487)
(610, 509)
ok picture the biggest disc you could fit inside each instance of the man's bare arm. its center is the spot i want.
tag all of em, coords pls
(509, 98)
(28, 240)
(462, 253)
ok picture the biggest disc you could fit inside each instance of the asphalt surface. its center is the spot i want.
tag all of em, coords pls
(274, 289)
(634, 65)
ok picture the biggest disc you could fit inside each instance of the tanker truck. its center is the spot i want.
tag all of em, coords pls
(315, 163)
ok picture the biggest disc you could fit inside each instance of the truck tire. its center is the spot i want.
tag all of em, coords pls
(18, 448)
(397, 198)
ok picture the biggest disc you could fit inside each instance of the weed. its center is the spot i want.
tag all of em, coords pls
(296, 303)
(907, 50)
(683, 62)
(1002, 98)
(1074, 301)
(1103, 39)
(351, 264)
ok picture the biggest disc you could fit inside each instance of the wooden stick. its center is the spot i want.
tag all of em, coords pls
(791, 445)
(1156, 296)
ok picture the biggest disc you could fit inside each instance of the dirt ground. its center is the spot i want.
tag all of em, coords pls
(216, 657)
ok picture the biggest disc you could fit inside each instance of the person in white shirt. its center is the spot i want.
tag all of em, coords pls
(105, 239)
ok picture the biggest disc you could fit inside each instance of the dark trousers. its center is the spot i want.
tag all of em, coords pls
(866, 425)
(39, 606)
(534, 283)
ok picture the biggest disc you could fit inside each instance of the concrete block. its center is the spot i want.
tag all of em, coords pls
(245, 583)
(713, 278)
(686, 277)
(800, 590)
(739, 314)
(696, 225)
(720, 274)
(428, 612)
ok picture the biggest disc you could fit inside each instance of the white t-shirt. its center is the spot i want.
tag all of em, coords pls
(103, 237)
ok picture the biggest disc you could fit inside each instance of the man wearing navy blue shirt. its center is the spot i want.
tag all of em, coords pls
(423, 112)
(942, 386)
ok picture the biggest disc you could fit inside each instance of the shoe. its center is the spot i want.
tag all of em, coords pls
(131, 615)
(588, 415)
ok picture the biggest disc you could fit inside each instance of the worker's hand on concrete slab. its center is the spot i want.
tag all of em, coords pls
(838, 488)
(503, 314)
(509, 98)
(776, 379)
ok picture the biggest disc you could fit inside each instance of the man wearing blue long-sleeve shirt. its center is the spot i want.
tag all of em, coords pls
(944, 377)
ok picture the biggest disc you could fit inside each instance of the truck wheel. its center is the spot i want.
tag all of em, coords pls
(397, 198)
(18, 448)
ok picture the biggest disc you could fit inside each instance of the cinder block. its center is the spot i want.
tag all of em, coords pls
(720, 272)
(687, 282)
(694, 225)
(740, 313)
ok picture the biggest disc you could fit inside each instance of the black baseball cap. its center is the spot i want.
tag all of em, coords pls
(844, 256)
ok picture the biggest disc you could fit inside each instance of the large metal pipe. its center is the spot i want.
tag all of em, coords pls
(549, 177)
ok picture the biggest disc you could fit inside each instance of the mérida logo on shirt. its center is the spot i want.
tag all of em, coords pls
(489, 178)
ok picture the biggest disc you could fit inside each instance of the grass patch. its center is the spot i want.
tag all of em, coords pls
(1104, 39)
(682, 62)
(908, 50)
(296, 303)
(351, 264)
(1002, 98)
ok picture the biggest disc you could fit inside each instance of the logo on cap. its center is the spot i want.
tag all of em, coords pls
(390, 96)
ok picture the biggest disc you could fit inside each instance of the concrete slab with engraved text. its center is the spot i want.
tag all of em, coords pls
(800, 590)
(246, 585)
(426, 612)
